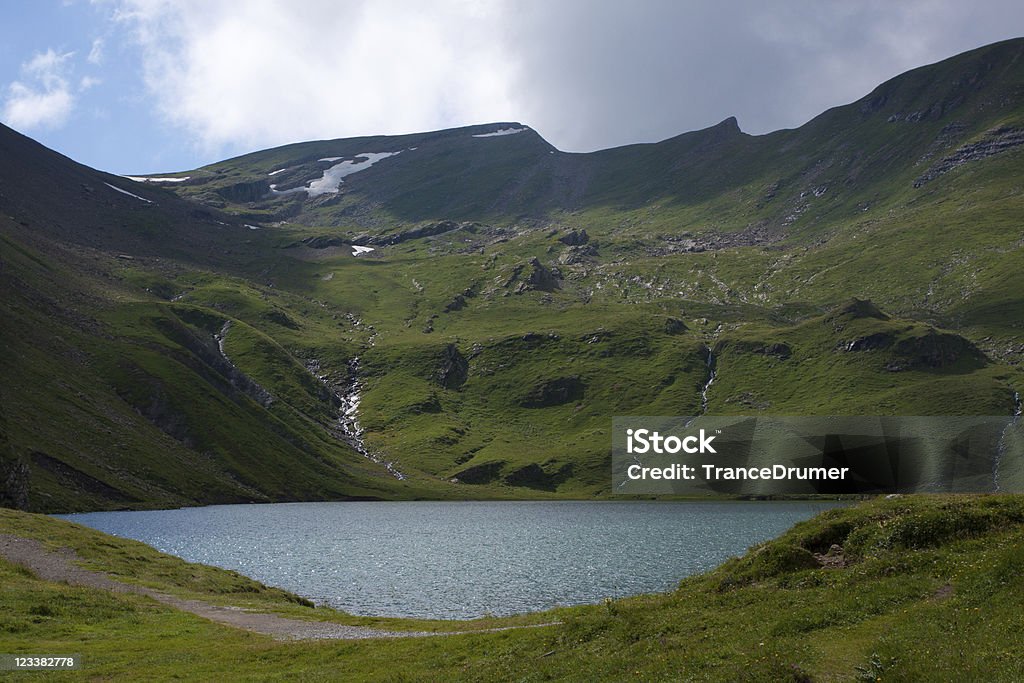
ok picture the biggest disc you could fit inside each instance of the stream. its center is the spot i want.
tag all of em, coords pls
(1003, 445)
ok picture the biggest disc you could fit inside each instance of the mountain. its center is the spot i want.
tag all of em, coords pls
(473, 305)
(114, 395)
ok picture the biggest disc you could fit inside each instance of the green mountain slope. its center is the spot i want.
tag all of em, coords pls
(115, 396)
(517, 297)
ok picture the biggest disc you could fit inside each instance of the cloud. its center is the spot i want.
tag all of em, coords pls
(96, 52)
(260, 72)
(586, 74)
(651, 69)
(45, 101)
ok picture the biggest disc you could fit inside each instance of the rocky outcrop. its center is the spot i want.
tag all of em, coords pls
(14, 473)
(871, 342)
(323, 242)
(778, 350)
(575, 255)
(936, 349)
(674, 326)
(454, 369)
(575, 238)
(430, 230)
(541, 278)
(929, 350)
(761, 233)
(14, 478)
(995, 142)
(534, 276)
(554, 392)
(456, 304)
(251, 191)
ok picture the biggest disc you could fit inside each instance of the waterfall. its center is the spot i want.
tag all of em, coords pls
(1003, 444)
(711, 362)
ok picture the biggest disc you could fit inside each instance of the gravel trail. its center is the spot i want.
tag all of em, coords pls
(58, 566)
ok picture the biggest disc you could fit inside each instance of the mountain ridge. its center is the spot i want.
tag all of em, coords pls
(199, 337)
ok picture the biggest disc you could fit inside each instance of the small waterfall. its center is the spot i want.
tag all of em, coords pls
(221, 336)
(1003, 445)
(711, 363)
(349, 394)
(348, 419)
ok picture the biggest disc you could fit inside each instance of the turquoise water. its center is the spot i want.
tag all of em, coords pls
(464, 559)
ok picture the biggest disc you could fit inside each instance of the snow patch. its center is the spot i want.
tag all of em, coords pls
(275, 191)
(503, 131)
(142, 199)
(252, 227)
(144, 179)
(331, 159)
(357, 250)
(331, 180)
(280, 170)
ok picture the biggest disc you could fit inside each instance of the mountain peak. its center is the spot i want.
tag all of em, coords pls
(729, 124)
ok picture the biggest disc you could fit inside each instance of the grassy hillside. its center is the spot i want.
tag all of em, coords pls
(516, 298)
(915, 588)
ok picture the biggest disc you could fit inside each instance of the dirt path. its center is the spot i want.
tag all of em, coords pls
(58, 566)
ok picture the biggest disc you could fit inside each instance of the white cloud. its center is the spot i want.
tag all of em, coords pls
(45, 101)
(585, 73)
(96, 52)
(88, 82)
(262, 73)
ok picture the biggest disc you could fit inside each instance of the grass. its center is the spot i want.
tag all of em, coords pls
(930, 586)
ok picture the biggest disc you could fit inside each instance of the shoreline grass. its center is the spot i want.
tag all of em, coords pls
(929, 588)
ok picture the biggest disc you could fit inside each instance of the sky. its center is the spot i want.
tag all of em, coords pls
(147, 86)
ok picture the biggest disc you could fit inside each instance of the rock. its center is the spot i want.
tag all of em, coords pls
(245, 192)
(540, 279)
(14, 478)
(674, 326)
(778, 350)
(872, 342)
(833, 559)
(456, 304)
(429, 230)
(870, 106)
(554, 392)
(575, 255)
(937, 349)
(995, 142)
(323, 242)
(454, 368)
(575, 238)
